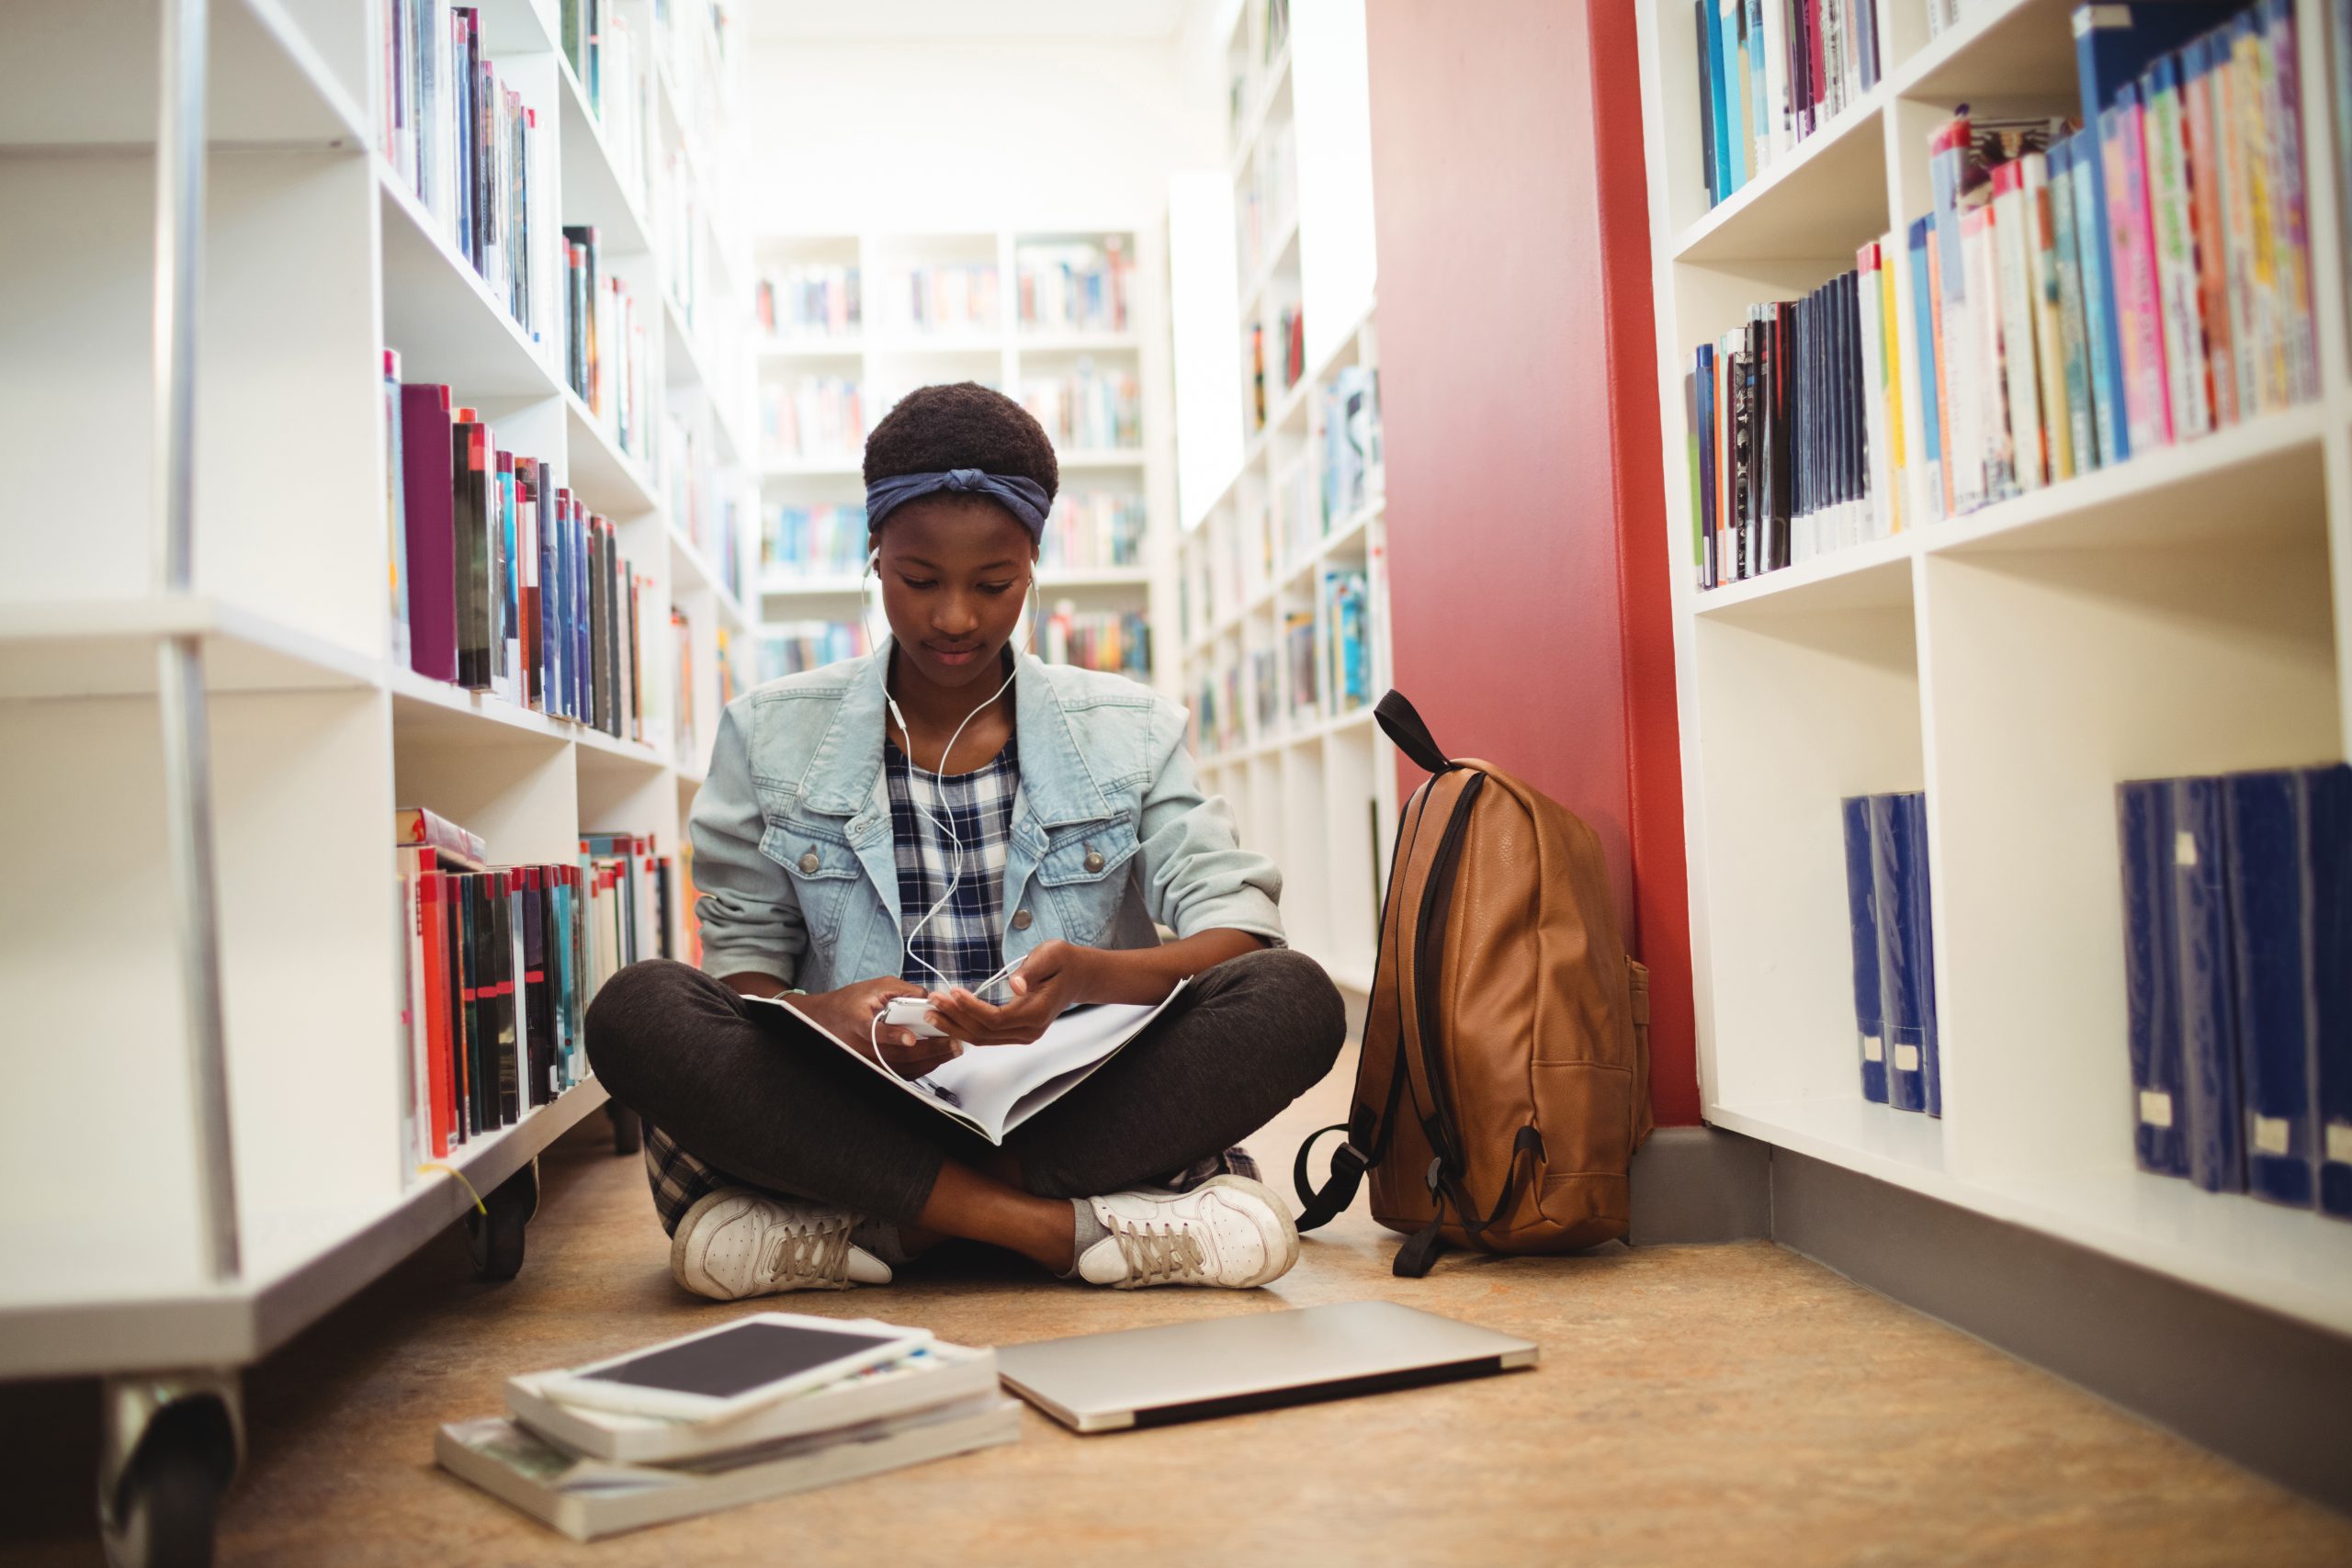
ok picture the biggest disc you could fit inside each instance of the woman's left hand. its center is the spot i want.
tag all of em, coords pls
(1053, 979)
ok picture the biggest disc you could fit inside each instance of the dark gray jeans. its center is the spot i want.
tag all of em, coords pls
(792, 1113)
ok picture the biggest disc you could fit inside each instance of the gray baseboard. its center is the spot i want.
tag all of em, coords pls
(2267, 1391)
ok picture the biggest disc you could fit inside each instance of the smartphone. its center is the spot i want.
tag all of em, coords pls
(723, 1373)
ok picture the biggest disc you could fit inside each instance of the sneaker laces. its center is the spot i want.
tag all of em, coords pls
(799, 1250)
(1157, 1254)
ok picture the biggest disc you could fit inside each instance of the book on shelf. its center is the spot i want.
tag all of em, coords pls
(1088, 406)
(800, 300)
(417, 824)
(703, 505)
(1300, 653)
(1118, 641)
(822, 540)
(812, 416)
(1266, 689)
(605, 351)
(2237, 914)
(602, 50)
(1772, 73)
(677, 222)
(1092, 529)
(514, 587)
(1347, 621)
(684, 728)
(395, 512)
(473, 153)
(790, 647)
(1266, 203)
(1074, 286)
(1353, 465)
(943, 298)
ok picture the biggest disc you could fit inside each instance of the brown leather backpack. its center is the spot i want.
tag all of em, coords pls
(1505, 1016)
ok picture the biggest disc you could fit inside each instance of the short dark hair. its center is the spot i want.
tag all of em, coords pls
(961, 424)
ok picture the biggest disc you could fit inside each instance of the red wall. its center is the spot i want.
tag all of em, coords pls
(1527, 563)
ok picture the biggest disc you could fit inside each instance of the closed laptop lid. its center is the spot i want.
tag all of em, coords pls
(1182, 1371)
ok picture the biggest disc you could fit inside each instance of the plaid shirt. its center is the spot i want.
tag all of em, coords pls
(963, 945)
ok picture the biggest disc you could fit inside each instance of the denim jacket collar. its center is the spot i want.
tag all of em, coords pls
(844, 774)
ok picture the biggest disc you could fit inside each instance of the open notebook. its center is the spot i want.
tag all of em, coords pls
(994, 1088)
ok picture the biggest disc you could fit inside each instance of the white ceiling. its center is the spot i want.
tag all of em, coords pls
(788, 21)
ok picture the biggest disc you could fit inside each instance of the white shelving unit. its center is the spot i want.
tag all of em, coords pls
(886, 357)
(1311, 782)
(316, 259)
(2177, 614)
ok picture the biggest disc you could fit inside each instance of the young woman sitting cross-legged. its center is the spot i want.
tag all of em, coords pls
(918, 822)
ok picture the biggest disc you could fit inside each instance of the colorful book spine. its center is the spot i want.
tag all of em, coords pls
(1928, 487)
(2201, 147)
(2173, 245)
(2137, 311)
(2016, 234)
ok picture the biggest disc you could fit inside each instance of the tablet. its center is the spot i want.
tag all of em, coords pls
(722, 1372)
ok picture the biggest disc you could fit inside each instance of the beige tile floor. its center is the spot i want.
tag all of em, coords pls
(1709, 1405)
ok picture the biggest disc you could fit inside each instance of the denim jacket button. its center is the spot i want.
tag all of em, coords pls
(808, 862)
(1020, 921)
(1095, 860)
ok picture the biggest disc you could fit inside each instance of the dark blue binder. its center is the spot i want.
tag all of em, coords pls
(2327, 794)
(1892, 875)
(1919, 929)
(2270, 948)
(2151, 986)
(2209, 1054)
(1861, 924)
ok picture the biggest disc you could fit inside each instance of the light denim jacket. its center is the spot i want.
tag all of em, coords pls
(798, 873)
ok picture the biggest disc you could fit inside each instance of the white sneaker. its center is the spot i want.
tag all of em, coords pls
(734, 1244)
(1230, 1231)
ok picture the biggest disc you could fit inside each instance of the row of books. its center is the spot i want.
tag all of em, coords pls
(1266, 203)
(1115, 640)
(504, 580)
(588, 1471)
(497, 966)
(603, 53)
(1082, 286)
(684, 731)
(1320, 669)
(1772, 73)
(703, 505)
(1095, 528)
(1891, 924)
(806, 300)
(1353, 465)
(1090, 407)
(1289, 352)
(675, 218)
(944, 297)
(824, 541)
(812, 416)
(473, 153)
(788, 647)
(1791, 428)
(605, 355)
(2237, 940)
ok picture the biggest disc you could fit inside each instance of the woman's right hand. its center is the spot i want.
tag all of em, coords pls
(850, 1012)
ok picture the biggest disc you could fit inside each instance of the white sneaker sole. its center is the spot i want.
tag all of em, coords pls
(709, 1288)
(1287, 1252)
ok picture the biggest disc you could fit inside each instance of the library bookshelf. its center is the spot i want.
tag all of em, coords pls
(885, 354)
(315, 259)
(1308, 774)
(2174, 614)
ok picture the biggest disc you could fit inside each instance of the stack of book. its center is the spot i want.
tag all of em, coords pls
(473, 153)
(602, 51)
(812, 416)
(1090, 529)
(591, 1473)
(1077, 287)
(943, 299)
(2237, 932)
(604, 346)
(1772, 73)
(815, 541)
(702, 504)
(1352, 463)
(1266, 207)
(499, 964)
(1090, 408)
(505, 582)
(790, 647)
(810, 299)
(1347, 621)
(1889, 923)
(1115, 640)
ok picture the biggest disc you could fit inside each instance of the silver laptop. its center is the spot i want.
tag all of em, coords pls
(1185, 1371)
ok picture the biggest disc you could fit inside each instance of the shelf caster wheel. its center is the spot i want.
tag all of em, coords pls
(172, 1445)
(495, 1239)
(627, 1139)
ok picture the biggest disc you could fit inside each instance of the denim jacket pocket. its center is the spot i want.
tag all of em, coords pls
(1085, 871)
(823, 870)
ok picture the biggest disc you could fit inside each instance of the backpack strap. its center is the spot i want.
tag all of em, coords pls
(1418, 1254)
(1405, 728)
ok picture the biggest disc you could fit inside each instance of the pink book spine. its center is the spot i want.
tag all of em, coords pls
(2141, 330)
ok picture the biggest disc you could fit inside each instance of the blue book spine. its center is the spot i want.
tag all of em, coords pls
(2270, 934)
(1731, 133)
(1919, 929)
(2101, 352)
(2208, 1045)
(1758, 92)
(2327, 794)
(1923, 360)
(1703, 37)
(1891, 878)
(2152, 992)
(1862, 922)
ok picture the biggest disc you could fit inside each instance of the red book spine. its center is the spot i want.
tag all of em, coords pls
(431, 930)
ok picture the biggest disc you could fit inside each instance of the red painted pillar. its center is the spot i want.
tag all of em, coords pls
(1527, 569)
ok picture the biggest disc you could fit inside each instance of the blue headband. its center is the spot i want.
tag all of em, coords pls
(1025, 499)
